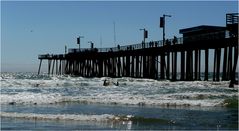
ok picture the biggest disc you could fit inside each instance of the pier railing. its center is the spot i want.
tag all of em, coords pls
(51, 56)
(151, 44)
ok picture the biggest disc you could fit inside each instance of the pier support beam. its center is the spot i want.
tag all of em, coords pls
(127, 66)
(218, 64)
(152, 66)
(144, 66)
(137, 66)
(162, 65)
(199, 65)
(60, 70)
(215, 65)
(216, 69)
(141, 64)
(189, 65)
(196, 65)
(182, 65)
(157, 70)
(53, 66)
(229, 69)
(39, 67)
(206, 65)
(56, 67)
(168, 66)
(119, 67)
(49, 66)
(172, 59)
(224, 70)
(174, 77)
(132, 66)
(233, 80)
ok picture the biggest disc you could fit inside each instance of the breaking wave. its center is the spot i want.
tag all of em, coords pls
(123, 119)
(76, 117)
(28, 88)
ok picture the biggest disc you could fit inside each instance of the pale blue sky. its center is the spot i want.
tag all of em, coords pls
(32, 28)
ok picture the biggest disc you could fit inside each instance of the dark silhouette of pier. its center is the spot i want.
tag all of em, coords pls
(157, 59)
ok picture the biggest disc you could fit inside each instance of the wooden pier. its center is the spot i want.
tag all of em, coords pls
(156, 59)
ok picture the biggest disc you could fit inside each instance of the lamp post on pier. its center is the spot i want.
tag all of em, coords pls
(78, 41)
(145, 35)
(162, 25)
(162, 57)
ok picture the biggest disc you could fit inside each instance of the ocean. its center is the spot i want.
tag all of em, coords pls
(30, 101)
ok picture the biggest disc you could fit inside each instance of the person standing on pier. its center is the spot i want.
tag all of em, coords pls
(167, 42)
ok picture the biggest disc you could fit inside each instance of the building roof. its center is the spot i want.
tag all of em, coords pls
(202, 28)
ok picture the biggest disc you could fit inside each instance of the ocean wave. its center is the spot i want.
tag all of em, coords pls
(148, 102)
(123, 119)
(76, 117)
(32, 89)
(113, 99)
(199, 96)
(30, 98)
(34, 80)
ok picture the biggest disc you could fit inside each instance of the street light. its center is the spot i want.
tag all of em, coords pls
(145, 34)
(162, 67)
(162, 25)
(78, 41)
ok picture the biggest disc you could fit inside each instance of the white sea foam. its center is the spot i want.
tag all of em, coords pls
(75, 117)
(30, 98)
(57, 89)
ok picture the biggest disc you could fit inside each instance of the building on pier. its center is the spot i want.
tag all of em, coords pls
(202, 32)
